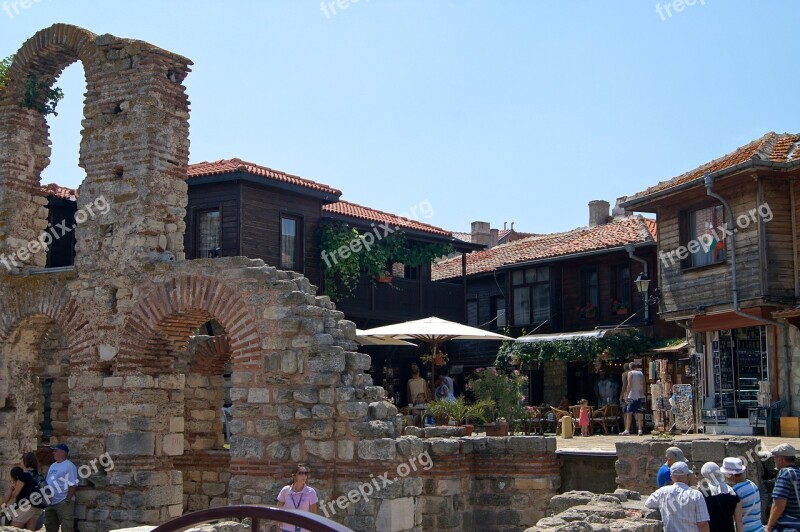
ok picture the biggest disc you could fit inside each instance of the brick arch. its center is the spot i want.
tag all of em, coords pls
(165, 316)
(211, 356)
(44, 303)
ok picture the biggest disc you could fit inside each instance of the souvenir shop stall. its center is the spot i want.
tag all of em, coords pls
(670, 374)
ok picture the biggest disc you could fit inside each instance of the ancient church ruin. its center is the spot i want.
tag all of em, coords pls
(125, 353)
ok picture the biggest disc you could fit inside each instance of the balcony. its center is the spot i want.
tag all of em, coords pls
(403, 300)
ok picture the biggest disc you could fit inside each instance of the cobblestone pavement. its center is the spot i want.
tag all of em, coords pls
(602, 443)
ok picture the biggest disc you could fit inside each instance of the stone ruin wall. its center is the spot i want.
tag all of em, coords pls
(131, 370)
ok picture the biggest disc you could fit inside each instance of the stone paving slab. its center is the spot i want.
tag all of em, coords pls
(605, 444)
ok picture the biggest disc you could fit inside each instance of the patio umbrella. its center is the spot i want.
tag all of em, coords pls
(365, 339)
(434, 331)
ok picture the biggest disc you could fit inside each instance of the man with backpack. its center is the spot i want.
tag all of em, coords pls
(785, 513)
(62, 478)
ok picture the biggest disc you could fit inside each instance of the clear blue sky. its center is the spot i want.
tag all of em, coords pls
(495, 111)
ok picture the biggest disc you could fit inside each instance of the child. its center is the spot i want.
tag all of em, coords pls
(583, 420)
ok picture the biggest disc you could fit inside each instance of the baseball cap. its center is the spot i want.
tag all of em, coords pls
(784, 449)
(676, 453)
(60, 447)
(679, 468)
(732, 466)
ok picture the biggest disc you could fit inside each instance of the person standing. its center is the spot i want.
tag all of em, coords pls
(724, 506)
(785, 513)
(583, 417)
(31, 465)
(672, 454)
(634, 404)
(61, 511)
(24, 514)
(298, 496)
(417, 385)
(682, 508)
(748, 492)
(624, 384)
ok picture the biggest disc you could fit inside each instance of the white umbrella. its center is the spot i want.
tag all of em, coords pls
(434, 331)
(365, 339)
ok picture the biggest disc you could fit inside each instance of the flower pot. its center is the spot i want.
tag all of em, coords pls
(622, 312)
(438, 361)
(496, 429)
(468, 429)
(384, 279)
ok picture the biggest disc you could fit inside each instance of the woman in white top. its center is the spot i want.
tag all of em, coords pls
(635, 397)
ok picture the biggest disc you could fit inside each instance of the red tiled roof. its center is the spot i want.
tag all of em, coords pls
(614, 234)
(227, 166)
(783, 147)
(59, 192)
(351, 210)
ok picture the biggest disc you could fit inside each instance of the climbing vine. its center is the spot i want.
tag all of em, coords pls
(39, 95)
(347, 255)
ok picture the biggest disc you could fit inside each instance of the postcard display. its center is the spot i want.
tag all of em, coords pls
(660, 394)
(684, 413)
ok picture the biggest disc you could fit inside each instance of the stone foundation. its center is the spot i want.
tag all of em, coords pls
(578, 511)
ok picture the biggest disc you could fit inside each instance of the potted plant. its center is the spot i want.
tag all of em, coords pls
(440, 359)
(619, 308)
(441, 410)
(588, 312)
(503, 390)
(475, 412)
(384, 277)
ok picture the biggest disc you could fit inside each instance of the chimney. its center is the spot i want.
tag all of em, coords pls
(494, 237)
(598, 212)
(481, 233)
(617, 210)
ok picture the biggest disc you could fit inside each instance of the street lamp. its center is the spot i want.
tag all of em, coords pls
(642, 283)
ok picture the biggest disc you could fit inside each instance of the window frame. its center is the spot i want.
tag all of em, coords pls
(198, 213)
(495, 310)
(531, 295)
(687, 235)
(298, 238)
(586, 288)
(618, 285)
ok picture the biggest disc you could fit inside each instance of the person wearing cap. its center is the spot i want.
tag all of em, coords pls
(62, 477)
(748, 492)
(785, 513)
(682, 508)
(672, 454)
(724, 506)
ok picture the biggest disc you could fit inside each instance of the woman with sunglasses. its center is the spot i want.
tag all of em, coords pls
(299, 496)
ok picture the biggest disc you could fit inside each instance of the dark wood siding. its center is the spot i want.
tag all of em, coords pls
(778, 237)
(224, 196)
(261, 211)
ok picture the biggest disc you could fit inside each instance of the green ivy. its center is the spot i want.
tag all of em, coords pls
(617, 347)
(39, 95)
(343, 273)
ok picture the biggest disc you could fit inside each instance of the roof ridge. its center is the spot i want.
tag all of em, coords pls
(388, 214)
(766, 146)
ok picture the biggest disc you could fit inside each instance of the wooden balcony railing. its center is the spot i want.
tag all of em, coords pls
(405, 299)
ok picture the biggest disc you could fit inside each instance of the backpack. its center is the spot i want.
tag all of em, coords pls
(38, 484)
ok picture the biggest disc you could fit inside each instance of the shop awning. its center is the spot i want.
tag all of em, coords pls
(555, 337)
(671, 349)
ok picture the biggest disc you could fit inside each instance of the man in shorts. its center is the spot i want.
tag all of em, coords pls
(634, 400)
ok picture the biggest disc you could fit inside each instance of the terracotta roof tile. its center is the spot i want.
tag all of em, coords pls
(775, 147)
(227, 166)
(614, 234)
(59, 192)
(352, 210)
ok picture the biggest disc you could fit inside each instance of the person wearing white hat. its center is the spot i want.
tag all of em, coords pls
(748, 492)
(724, 506)
(785, 513)
(682, 508)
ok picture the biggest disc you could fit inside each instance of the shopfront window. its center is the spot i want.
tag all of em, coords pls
(740, 369)
(531, 295)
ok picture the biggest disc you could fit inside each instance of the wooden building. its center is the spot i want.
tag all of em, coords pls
(743, 204)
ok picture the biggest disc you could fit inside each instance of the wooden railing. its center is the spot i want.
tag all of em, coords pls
(405, 299)
(256, 514)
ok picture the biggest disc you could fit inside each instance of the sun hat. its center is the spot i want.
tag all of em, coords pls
(715, 480)
(784, 449)
(732, 466)
(679, 468)
(675, 453)
(60, 447)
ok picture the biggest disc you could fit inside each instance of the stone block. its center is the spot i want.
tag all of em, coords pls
(345, 449)
(395, 515)
(322, 412)
(139, 381)
(258, 395)
(176, 424)
(708, 451)
(527, 444)
(245, 447)
(131, 444)
(382, 449)
(324, 449)
(214, 488)
(444, 447)
(173, 444)
(410, 446)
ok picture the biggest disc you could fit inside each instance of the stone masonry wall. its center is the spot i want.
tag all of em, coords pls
(638, 461)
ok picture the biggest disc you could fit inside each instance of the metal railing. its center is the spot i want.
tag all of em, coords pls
(256, 514)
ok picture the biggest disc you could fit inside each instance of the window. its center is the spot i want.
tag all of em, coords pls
(590, 288)
(209, 234)
(531, 295)
(621, 286)
(705, 238)
(291, 244)
(472, 312)
(498, 310)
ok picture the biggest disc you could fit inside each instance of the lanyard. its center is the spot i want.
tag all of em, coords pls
(296, 504)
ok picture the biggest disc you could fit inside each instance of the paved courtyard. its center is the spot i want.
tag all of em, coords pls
(606, 444)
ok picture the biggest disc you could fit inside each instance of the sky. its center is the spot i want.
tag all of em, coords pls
(512, 111)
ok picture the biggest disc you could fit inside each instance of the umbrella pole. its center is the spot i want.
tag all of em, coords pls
(433, 372)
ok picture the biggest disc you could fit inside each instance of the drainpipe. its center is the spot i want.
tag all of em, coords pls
(629, 248)
(709, 182)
